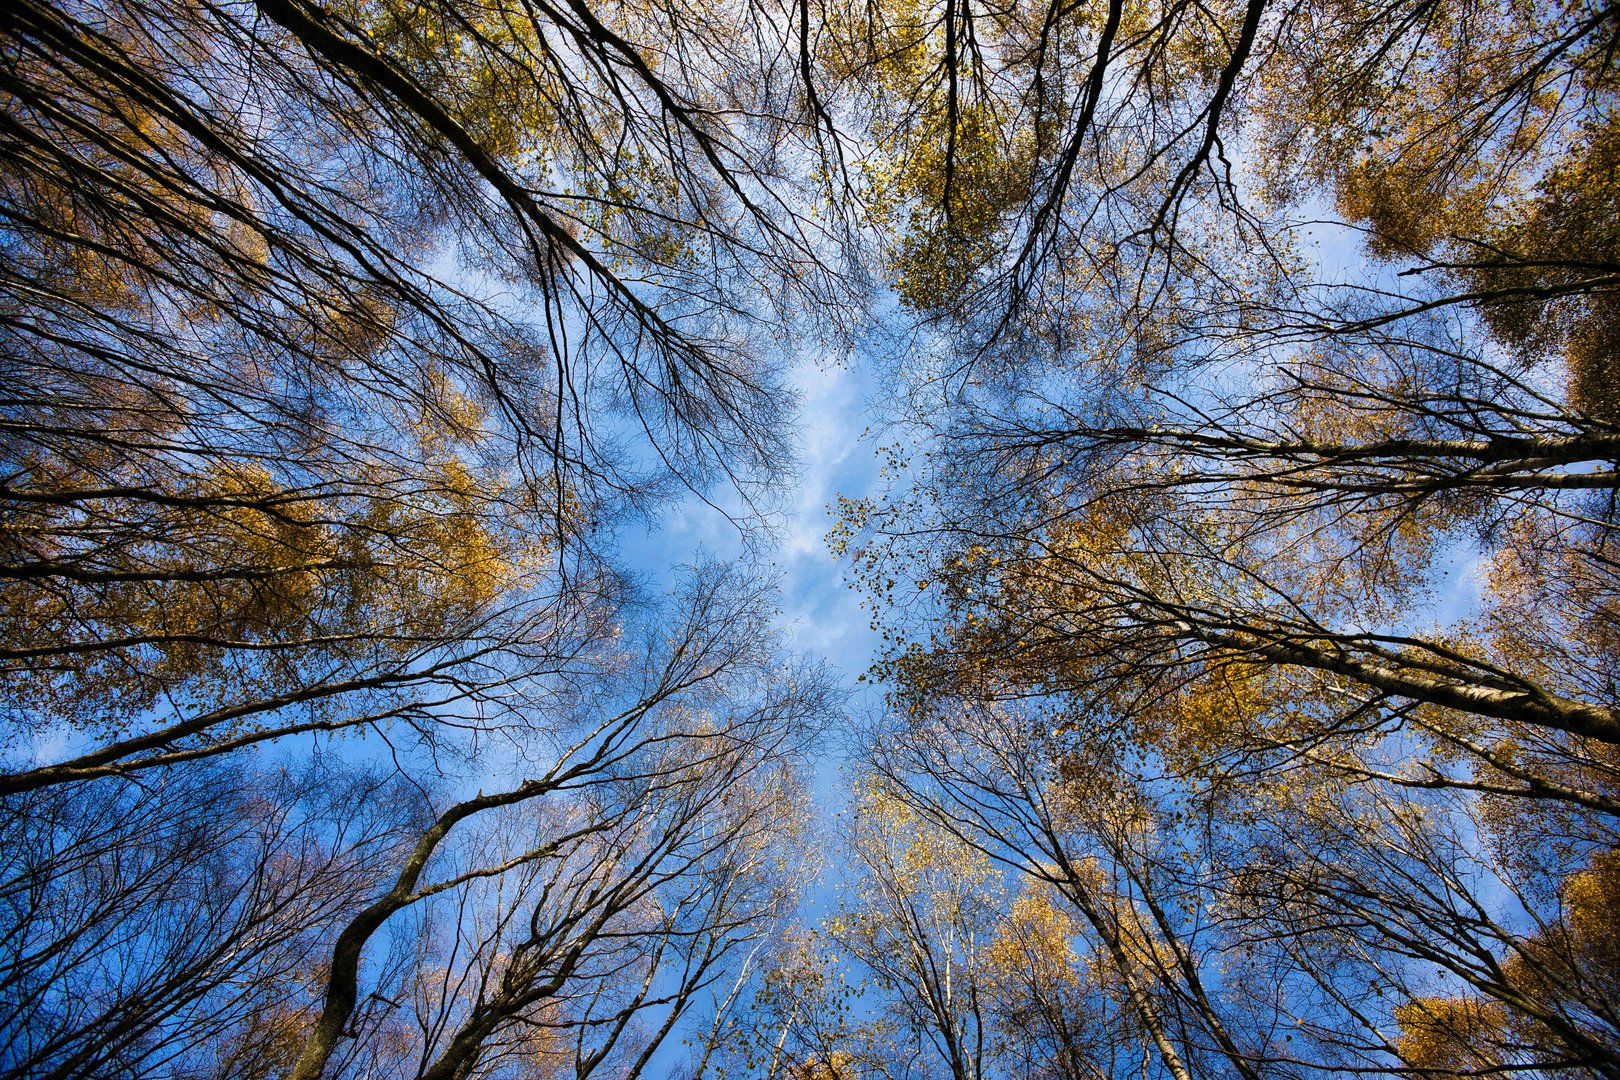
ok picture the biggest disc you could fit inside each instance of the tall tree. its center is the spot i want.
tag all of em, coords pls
(1199, 510)
(207, 920)
(334, 335)
(339, 339)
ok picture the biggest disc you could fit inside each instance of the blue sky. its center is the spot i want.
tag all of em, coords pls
(821, 617)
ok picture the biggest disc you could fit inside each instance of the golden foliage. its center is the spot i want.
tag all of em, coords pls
(1449, 1034)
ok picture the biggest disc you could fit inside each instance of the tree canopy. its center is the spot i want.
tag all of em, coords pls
(1244, 557)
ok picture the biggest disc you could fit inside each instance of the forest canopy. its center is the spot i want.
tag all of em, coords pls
(1243, 559)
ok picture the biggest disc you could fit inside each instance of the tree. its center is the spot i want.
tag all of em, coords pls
(1288, 917)
(339, 339)
(354, 925)
(331, 332)
(802, 1021)
(1172, 549)
(615, 861)
(176, 925)
(920, 920)
(1033, 162)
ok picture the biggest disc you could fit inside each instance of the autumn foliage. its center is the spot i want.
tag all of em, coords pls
(1244, 554)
